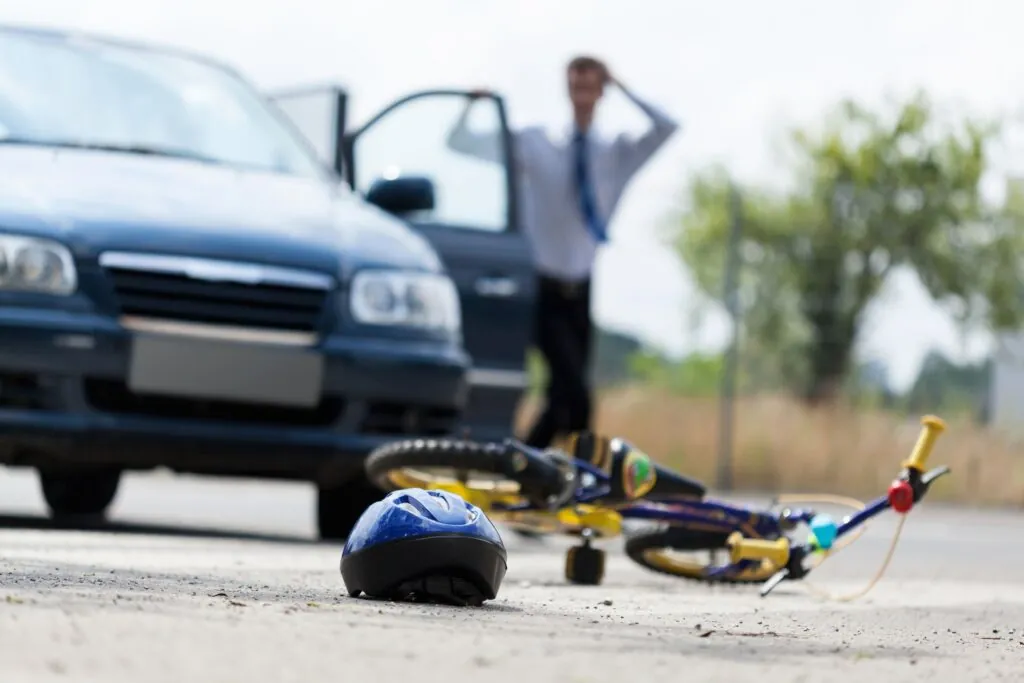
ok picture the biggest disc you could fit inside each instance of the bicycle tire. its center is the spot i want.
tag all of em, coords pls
(643, 547)
(535, 482)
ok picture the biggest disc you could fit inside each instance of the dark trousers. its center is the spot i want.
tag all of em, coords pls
(563, 333)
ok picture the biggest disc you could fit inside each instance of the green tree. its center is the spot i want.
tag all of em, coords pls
(870, 193)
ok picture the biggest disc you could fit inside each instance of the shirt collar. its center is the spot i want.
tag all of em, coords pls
(574, 134)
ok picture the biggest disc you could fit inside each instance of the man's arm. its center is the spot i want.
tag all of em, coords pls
(486, 147)
(635, 151)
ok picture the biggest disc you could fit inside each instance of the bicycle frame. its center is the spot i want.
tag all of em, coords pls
(718, 516)
(585, 511)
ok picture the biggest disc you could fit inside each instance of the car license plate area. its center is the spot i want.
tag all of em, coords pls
(217, 370)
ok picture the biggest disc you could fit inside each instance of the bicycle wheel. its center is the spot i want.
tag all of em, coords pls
(688, 554)
(497, 471)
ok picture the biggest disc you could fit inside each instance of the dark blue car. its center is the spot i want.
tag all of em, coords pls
(190, 281)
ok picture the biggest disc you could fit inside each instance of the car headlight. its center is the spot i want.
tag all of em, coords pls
(399, 298)
(30, 264)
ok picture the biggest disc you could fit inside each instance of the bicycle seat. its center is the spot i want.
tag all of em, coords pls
(610, 455)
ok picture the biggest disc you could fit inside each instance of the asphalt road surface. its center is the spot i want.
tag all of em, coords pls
(204, 580)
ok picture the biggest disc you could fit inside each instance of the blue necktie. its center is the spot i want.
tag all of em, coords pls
(588, 203)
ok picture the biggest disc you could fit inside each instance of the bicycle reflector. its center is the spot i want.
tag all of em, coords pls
(901, 496)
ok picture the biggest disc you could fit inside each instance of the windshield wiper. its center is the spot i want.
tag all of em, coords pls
(148, 150)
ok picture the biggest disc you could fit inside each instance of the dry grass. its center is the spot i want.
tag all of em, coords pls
(780, 445)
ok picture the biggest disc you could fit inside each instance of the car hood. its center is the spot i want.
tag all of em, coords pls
(95, 201)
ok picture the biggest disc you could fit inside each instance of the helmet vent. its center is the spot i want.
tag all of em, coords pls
(414, 506)
(441, 499)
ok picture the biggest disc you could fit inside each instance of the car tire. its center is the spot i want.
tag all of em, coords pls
(86, 493)
(339, 507)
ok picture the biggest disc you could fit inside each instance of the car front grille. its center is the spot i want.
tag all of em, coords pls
(164, 288)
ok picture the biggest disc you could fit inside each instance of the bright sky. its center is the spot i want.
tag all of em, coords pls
(735, 72)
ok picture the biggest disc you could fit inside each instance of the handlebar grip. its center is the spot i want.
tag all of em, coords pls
(740, 548)
(931, 428)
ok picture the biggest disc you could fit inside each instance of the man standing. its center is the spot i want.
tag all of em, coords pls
(571, 186)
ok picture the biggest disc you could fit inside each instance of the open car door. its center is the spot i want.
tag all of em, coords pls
(472, 222)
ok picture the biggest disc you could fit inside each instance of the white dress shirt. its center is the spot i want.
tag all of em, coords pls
(550, 213)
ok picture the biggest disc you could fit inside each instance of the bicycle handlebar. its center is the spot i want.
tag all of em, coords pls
(931, 428)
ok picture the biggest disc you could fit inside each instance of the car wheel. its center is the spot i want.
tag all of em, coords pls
(339, 507)
(84, 493)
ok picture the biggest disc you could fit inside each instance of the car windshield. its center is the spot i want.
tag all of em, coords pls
(64, 91)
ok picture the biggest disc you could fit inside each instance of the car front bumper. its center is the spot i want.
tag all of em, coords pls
(64, 401)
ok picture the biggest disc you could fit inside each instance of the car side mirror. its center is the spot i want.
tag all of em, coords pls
(402, 195)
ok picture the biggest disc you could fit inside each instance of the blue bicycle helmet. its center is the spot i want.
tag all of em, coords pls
(424, 545)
